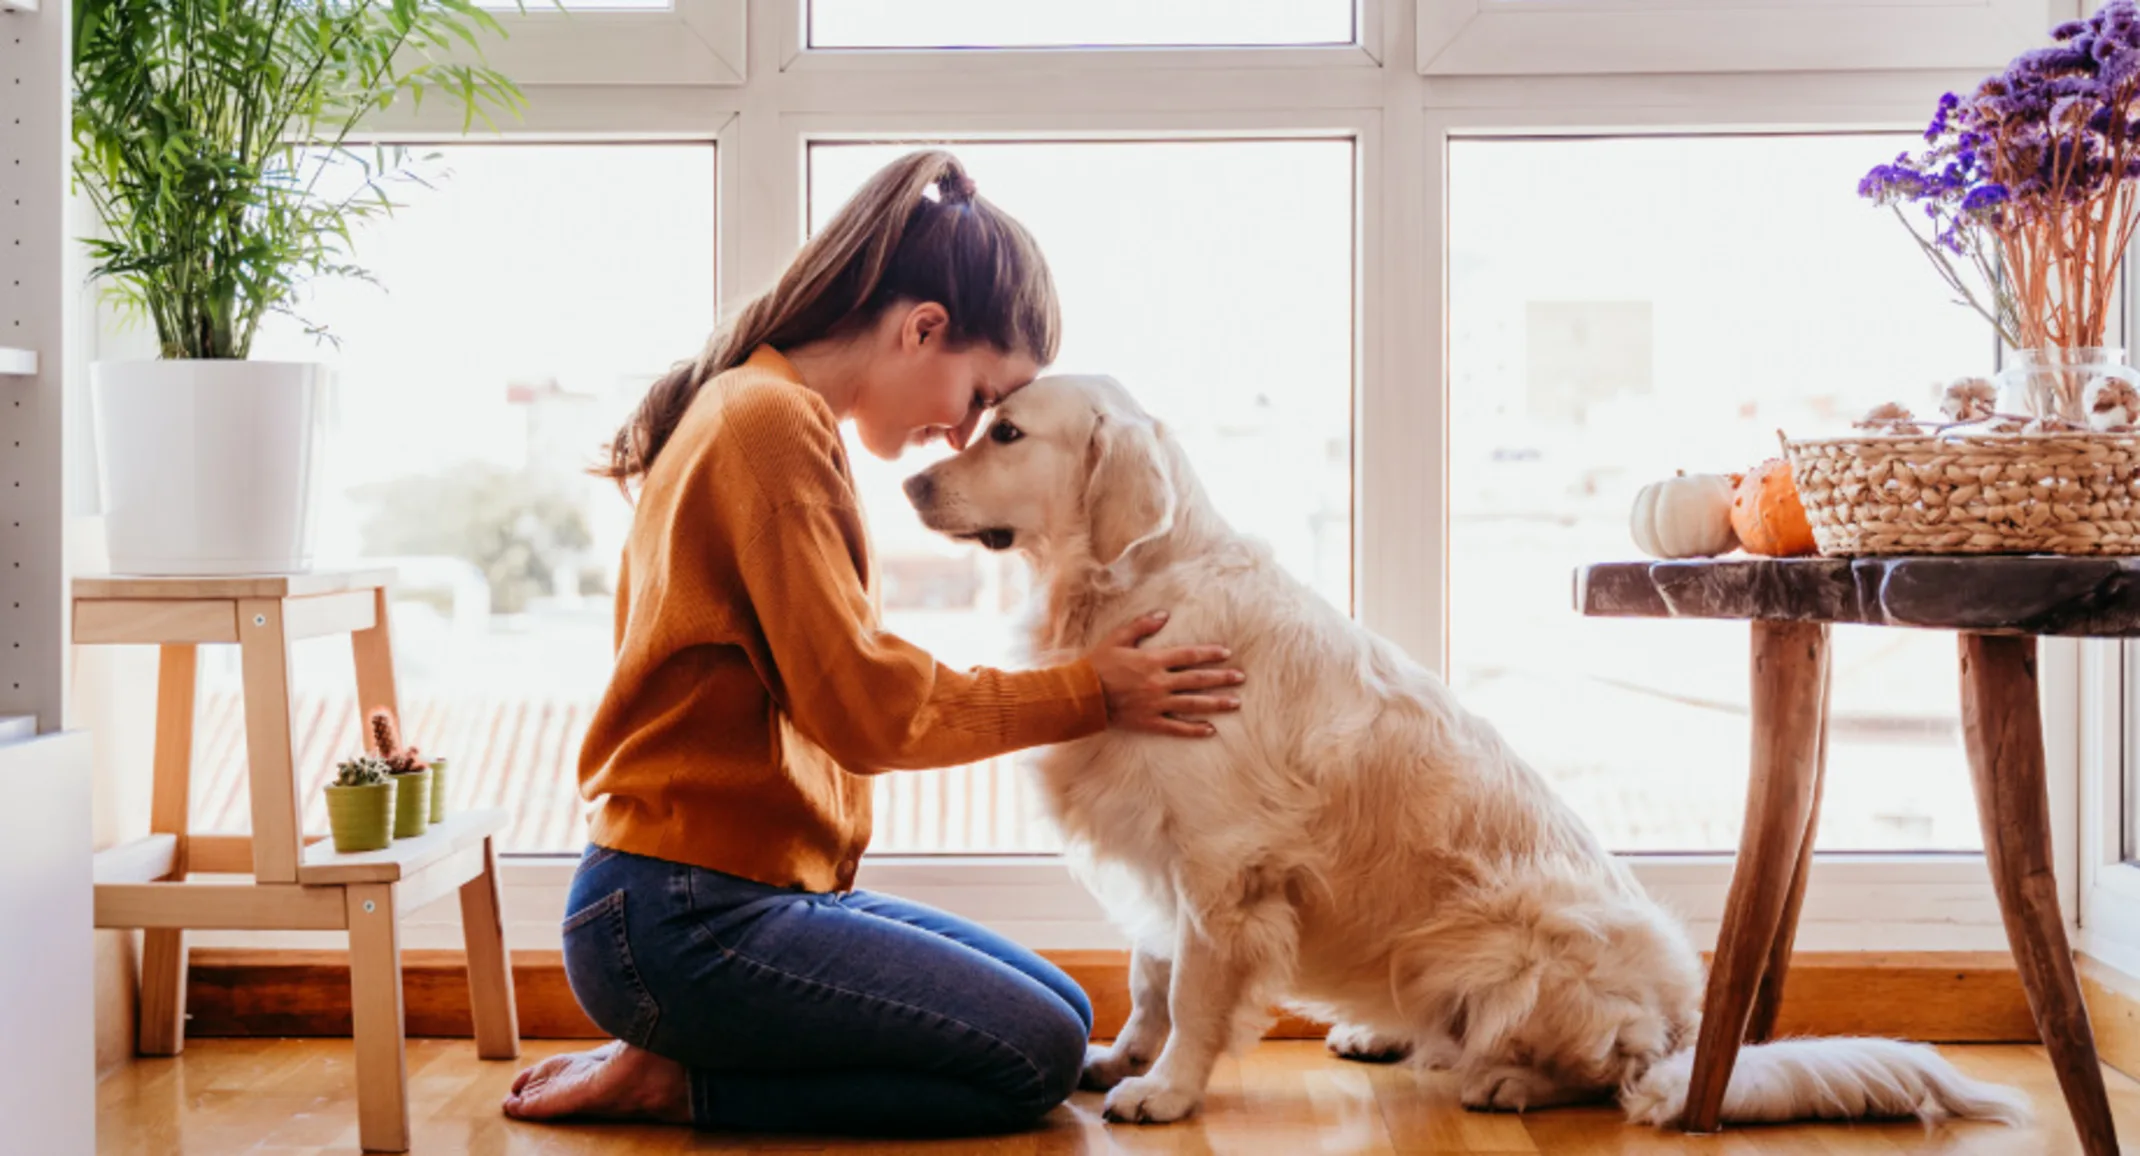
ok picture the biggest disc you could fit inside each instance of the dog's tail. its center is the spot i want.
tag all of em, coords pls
(1842, 1078)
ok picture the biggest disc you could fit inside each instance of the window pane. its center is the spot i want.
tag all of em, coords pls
(522, 314)
(2130, 655)
(1243, 349)
(1691, 297)
(1062, 24)
(541, 7)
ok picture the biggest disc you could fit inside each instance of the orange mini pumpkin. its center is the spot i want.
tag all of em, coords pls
(1767, 515)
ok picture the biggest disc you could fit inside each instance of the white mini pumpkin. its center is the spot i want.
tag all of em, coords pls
(1688, 516)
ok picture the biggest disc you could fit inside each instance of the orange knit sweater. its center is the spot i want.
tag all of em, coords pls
(754, 692)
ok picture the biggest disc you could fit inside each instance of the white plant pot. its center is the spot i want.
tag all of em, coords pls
(210, 467)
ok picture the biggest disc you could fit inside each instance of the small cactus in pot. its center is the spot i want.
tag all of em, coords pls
(362, 771)
(360, 805)
(411, 774)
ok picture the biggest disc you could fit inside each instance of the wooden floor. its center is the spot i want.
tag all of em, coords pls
(295, 1096)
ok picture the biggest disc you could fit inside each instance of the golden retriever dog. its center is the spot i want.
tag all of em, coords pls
(1353, 844)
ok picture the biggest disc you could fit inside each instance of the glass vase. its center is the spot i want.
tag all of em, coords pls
(2060, 383)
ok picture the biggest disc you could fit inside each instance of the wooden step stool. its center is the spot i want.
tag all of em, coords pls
(298, 883)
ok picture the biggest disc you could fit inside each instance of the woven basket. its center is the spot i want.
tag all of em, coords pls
(2066, 493)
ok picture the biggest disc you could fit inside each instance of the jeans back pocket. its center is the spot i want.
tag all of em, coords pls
(599, 967)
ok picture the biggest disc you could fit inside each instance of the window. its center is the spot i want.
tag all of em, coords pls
(1254, 236)
(2109, 817)
(1061, 23)
(1553, 37)
(551, 6)
(1702, 293)
(1243, 350)
(502, 352)
(617, 42)
(2126, 841)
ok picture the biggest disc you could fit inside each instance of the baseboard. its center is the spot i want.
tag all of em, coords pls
(1941, 997)
(2114, 1010)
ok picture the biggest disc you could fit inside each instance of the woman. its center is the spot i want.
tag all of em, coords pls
(713, 928)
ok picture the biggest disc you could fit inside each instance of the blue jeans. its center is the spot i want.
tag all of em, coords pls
(796, 1011)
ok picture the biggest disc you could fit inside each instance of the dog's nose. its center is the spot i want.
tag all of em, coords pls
(920, 488)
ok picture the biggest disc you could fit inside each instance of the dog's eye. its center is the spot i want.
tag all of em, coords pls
(1004, 433)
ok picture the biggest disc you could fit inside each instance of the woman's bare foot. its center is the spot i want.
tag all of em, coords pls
(613, 1082)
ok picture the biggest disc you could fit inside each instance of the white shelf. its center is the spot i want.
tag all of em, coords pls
(16, 362)
(20, 5)
(16, 727)
(322, 864)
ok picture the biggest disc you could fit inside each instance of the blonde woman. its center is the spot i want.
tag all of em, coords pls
(713, 928)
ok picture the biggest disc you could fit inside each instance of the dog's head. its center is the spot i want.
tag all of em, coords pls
(1066, 466)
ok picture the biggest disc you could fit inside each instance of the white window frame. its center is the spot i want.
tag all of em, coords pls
(2108, 880)
(690, 42)
(1401, 122)
(1519, 37)
(2109, 884)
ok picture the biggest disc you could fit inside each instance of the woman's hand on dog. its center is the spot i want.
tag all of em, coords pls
(1151, 690)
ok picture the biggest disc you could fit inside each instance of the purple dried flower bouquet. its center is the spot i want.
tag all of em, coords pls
(2030, 183)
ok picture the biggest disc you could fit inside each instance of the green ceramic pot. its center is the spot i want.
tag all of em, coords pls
(412, 804)
(362, 817)
(438, 790)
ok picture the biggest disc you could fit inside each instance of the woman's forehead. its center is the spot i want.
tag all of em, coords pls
(1007, 373)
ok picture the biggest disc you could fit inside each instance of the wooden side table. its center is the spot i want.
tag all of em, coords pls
(1999, 605)
(297, 882)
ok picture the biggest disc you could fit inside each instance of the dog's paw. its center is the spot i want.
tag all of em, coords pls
(1354, 1042)
(1106, 1067)
(1506, 1090)
(1144, 1100)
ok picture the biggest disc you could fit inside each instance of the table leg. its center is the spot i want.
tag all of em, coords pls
(373, 649)
(2002, 725)
(162, 1028)
(1768, 1000)
(377, 1024)
(1790, 661)
(490, 965)
(270, 749)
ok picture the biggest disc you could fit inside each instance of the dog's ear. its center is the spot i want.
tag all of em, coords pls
(1129, 500)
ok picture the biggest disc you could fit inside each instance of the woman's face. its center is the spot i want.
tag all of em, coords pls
(919, 388)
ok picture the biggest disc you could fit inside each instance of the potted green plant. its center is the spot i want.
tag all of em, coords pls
(360, 805)
(411, 774)
(212, 139)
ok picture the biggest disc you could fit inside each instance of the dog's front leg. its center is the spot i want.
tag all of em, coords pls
(1146, 1030)
(1208, 983)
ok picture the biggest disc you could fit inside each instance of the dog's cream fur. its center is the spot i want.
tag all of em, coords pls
(1353, 843)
